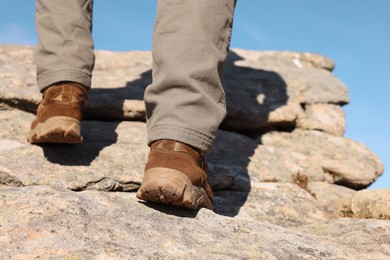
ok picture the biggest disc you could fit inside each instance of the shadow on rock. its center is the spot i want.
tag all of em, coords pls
(252, 94)
(111, 103)
(170, 210)
(103, 104)
(97, 135)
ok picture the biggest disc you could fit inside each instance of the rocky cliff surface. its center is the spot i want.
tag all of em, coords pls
(288, 185)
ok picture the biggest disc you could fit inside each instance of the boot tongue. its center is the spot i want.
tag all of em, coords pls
(175, 146)
(63, 93)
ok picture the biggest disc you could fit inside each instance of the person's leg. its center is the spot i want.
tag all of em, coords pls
(65, 51)
(185, 104)
(65, 59)
(186, 100)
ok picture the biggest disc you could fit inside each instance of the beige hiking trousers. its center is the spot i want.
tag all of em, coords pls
(185, 101)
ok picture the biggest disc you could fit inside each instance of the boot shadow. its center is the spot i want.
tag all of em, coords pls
(103, 113)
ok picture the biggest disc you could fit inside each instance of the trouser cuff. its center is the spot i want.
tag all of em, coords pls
(77, 76)
(196, 139)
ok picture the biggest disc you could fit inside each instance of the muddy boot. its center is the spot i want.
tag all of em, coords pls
(59, 115)
(175, 174)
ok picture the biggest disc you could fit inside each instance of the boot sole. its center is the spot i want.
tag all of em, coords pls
(57, 129)
(164, 185)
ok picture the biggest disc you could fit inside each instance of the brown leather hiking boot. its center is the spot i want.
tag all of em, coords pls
(59, 114)
(176, 174)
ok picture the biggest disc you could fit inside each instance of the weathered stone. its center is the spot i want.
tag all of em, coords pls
(293, 206)
(274, 84)
(316, 60)
(370, 238)
(115, 153)
(41, 222)
(347, 162)
(335, 200)
(263, 91)
(17, 77)
(112, 156)
(284, 115)
(118, 85)
(7, 179)
(239, 162)
(328, 118)
(303, 82)
(372, 204)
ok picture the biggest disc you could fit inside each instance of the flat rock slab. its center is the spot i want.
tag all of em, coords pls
(263, 89)
(113, 156)
(328, 118)
(354, 235)
(42, 222)
(372, 204)
(283, 157)
(345, 161)
(282, 204)
(335, 200)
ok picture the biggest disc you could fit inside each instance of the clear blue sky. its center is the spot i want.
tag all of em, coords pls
(355, 34)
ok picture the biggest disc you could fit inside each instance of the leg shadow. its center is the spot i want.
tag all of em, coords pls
(251, 95)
